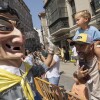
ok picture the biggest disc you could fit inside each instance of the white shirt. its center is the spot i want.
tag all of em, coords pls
(29, 59)
(74, 51)
(14, 70)
(54, 71)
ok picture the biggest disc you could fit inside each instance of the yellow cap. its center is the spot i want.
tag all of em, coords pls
(83, 37)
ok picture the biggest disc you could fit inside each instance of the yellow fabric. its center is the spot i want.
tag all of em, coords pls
(8, 80)
(82, 37)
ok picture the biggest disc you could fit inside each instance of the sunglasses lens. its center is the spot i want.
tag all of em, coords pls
(5, 26)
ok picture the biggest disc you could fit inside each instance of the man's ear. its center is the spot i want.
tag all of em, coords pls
(92, 48)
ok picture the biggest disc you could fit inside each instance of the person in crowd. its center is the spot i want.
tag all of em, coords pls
(16, 76)
(79, 87)
(35, 56)
(88, 53)
(59, 52)
(62, 50)
(26, 52)
(65, 54)
(44, 51)
(52, 73)
(29, 58)
(74, 54)
(67, 57)
(82, 20)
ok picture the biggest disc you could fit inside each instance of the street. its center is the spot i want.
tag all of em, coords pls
(66, 79)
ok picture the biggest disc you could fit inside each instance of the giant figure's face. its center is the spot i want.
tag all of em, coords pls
(11, 39)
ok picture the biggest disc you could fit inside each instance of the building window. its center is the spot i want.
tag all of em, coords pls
(95, 5)
(72, 4)
(60, 23)
(51, 12)
(56, 9)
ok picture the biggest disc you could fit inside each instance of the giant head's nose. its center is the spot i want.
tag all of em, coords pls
(17, 36)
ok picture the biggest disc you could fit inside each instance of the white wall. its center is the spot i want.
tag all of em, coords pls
(40, 35)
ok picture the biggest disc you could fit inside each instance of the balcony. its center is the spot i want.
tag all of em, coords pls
(59, 13)
(61, 26)
(62, 12)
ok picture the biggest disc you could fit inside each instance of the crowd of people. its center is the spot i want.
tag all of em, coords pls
(50, 69)
(18, 66)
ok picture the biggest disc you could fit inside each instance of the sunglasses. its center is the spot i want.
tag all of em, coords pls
(81, 44)
(7, 26)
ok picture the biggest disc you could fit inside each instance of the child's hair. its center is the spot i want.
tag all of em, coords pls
(83, 79)
(84, 14)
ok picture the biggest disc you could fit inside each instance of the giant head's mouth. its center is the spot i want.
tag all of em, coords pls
(12, 47)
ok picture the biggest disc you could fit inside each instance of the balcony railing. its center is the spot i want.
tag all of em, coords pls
(60, 23)
(61, 12)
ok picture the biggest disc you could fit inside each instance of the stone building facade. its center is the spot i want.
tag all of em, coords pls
(57, 20)
(44, 28)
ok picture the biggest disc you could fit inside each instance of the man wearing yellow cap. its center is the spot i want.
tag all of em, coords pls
(88, 63)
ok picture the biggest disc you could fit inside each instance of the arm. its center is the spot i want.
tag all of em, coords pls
(52, 63)
(97, 52)
(86, 93)
(47, 61)
(99, 66)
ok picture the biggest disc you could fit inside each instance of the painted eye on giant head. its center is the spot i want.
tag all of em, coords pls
(5, 25)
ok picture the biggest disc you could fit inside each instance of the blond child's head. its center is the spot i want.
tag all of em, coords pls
(85, 14)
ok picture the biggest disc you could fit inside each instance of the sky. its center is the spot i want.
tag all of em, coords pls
(35, 6)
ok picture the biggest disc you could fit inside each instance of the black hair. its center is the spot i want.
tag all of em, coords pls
(72, 43)
(7, 8)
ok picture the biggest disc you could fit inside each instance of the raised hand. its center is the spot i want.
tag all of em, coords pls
(82, 73)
